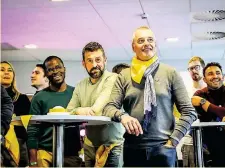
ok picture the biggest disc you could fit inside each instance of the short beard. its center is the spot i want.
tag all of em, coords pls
(96, 68)
(213, 88)
(197, 79)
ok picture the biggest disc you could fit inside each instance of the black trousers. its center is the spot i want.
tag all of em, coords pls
(24, 159)
(214, 138)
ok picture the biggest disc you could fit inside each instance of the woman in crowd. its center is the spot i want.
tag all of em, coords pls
(21, 107)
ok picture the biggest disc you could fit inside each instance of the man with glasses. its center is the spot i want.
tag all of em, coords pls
(40, 136)
(195, 68)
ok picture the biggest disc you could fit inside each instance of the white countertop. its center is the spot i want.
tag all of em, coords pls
(90, 120)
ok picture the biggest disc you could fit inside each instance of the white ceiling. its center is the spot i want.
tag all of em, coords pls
(63, 28)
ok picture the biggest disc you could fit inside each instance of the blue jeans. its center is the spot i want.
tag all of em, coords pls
(159, 156)
(115, 157)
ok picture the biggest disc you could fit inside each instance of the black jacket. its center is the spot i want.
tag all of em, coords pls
(6, 111)
(21, 107)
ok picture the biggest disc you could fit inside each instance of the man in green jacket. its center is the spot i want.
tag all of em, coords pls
(40, 136)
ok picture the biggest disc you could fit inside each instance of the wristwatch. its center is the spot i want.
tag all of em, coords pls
(202, 101)
(120, 115)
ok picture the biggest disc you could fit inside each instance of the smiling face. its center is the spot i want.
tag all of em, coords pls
(7, 74)
(144, 44)
(55, 72)
(213, 77)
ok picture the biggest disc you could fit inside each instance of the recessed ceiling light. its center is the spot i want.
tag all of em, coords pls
(58, 0)
(172, 39)
(30, 46)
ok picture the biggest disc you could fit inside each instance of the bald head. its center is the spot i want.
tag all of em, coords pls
(138, 30)
(144, 43)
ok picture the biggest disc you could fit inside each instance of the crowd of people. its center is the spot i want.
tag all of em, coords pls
(141, 98)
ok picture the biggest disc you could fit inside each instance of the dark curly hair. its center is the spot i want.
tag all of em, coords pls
(42, 67)
(119, 67)
(212, 64)
(92, 46)
(49, 58)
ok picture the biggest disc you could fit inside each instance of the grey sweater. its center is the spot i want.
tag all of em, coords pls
(170, 89)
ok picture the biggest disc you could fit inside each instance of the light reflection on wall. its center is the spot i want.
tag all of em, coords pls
(186, 78)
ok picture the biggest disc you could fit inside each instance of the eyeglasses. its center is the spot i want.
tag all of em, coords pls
(196, 67)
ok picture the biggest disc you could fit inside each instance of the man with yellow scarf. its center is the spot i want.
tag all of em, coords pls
(147, 92)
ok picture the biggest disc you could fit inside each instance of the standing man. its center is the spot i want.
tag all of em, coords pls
(39, 79)
(195, 68)
(40, 136)
(89, 98)
(147, 92)
(210, 105)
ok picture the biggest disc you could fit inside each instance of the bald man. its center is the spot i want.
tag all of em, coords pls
(147, 92)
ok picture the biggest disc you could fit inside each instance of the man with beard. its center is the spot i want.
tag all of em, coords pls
(210, 105)
(39, 79)
(195, 68)
(40, 136)
(147, 92)
(89, 98)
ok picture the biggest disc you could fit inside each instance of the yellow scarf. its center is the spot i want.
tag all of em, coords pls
(102, 155)
(138, 68)
(11, 142)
